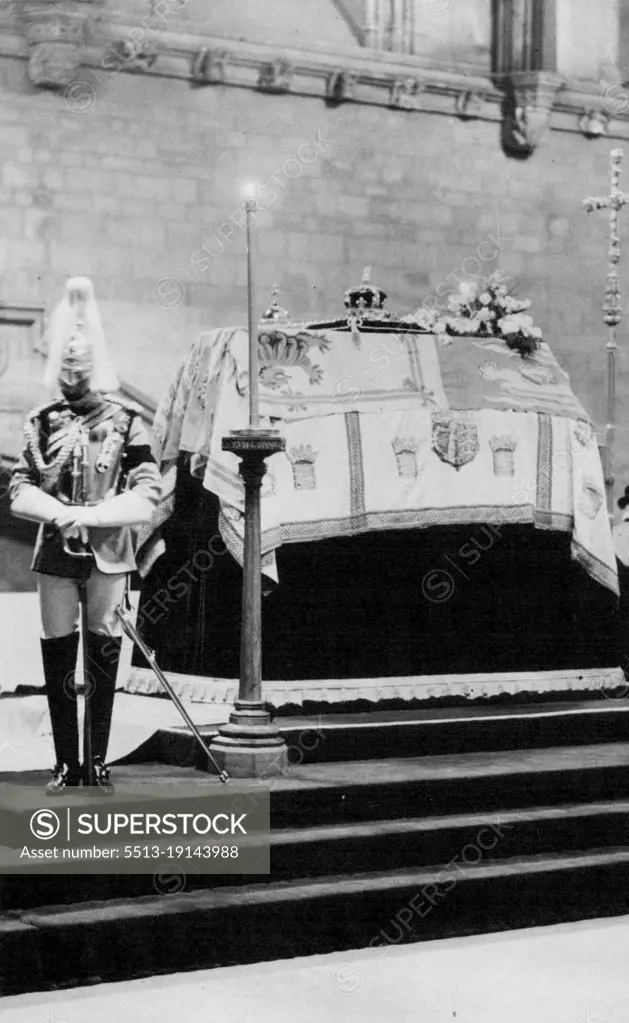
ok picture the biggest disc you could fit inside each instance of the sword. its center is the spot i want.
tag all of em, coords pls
(80, 483)
(149, 654)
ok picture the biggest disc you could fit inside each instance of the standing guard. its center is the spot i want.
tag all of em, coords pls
(87, 475)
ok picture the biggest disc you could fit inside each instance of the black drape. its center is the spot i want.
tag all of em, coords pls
(465, 599)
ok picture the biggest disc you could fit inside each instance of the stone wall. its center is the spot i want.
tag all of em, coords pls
(305, 23)
(587, 36)
(142, 191)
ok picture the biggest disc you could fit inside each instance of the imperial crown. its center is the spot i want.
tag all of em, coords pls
(366, 296)
(365, 313)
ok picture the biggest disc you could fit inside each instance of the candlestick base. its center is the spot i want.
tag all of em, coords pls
(254, 443)
(249, 745)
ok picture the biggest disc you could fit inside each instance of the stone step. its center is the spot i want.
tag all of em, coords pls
(333, 793)
(338, 792)
(388, 734)
(352, 844)
(355, 848)
(60, 946)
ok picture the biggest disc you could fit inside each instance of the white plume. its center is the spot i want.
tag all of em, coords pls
(78, 305)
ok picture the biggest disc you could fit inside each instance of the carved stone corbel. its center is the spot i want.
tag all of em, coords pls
(209, 67)
(406, 94)
(340, 87)
(594, 124)
(55, 31)
(527, 108)
(276, 76)
(132, 57)
(468, 105)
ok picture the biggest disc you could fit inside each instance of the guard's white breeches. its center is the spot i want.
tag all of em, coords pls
(60, 609)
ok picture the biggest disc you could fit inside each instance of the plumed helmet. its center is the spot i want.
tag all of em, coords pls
(77, 359)
(76, 333)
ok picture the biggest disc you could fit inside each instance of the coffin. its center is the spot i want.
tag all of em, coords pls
(438, 513)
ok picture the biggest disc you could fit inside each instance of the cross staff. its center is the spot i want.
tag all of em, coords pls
(613, 202)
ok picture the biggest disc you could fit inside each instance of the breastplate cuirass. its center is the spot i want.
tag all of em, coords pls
(92, 472)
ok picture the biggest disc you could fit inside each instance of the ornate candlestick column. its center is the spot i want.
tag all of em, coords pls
(250, 746)
(612, 309)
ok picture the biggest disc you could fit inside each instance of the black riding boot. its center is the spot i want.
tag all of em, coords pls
(103, 655)
(59, 660)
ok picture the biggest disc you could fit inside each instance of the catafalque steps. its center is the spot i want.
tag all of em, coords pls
(395, 848)
(322, 738)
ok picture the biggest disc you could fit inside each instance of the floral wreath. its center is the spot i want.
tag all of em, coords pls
(485, 309)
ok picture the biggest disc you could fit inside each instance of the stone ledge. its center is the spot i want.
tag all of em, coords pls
(362, 76)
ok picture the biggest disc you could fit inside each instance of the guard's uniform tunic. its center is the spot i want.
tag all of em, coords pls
(85, 452)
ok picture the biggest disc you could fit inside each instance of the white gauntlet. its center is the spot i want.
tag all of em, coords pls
(129, 509)
(33, 504)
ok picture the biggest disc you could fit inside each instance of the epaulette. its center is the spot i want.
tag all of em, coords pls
(49, 406)
(126, 403)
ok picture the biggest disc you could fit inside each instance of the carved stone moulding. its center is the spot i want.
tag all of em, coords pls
(406, 94)
(468, 105)
(209, 67)
(276, 76)
(340, 87)
(55, 31)
(131, 56)
(595, 124)
(529, 97)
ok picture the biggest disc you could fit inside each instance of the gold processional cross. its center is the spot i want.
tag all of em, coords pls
(612, 308)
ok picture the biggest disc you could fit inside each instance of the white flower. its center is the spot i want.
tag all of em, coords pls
(509, 325)
(425, 318)
(468, 291)
(483, 307)
(462, 324)
(519, 324)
